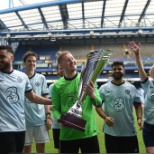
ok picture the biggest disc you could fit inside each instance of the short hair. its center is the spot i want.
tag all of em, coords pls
(117, 63)
(60, 57)
(8, 48)
(29, 53)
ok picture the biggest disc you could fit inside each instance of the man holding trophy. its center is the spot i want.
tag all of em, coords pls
(73, 102)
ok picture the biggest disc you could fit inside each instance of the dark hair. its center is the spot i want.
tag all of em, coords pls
(117, 63)
(29, 53)
(8, 48)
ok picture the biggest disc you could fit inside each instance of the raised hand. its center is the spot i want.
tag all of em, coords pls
(134, 47)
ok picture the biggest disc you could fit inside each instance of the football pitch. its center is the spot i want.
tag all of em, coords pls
(50, 147)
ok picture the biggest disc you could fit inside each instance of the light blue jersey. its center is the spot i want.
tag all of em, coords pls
(148, 87)
(118, 103)
(35, 113)
(55, 123)
(12, 91)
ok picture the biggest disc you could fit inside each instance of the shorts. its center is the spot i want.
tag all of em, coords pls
(12, 142)
(148, 135)
(86, 145)
(39, 133)
(56, 136)
(121, 144)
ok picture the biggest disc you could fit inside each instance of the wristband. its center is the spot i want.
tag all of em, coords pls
(136, 54)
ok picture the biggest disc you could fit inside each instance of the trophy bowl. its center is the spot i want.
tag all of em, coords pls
(96, 61)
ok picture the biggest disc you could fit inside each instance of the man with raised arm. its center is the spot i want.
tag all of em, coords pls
(148, 86)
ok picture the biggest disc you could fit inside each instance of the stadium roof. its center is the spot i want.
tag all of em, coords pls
(86, 16)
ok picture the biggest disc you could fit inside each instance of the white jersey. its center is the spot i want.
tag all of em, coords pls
(118, 103)
(13, 87)
(148, 87)
(55, 123)
(35, 113)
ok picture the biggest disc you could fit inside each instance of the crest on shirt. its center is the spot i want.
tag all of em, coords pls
(19, 79)
(37, 84)
(127, 92)
(152, 97)
(72, 98)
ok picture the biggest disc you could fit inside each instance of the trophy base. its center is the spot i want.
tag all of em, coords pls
(72, 121)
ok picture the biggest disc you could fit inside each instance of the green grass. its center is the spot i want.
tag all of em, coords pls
(50, 147)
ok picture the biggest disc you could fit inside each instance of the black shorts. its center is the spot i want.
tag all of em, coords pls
(148, 135)
(87, 145)
(12, 142)
(126, 144)
(56, 136)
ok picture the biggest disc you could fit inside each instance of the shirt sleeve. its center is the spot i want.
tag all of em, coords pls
(50, 91)
(101, 93)
(98, 100)
(28, 87)
(45, 90)
(146, 84)
(137, 98)
(56, 102)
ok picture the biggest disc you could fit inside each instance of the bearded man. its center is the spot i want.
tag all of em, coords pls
(119, 97)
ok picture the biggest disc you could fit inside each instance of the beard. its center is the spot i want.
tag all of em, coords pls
(4, 66)
(117, 76)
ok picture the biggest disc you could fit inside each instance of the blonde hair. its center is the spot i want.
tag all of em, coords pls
(61, 55)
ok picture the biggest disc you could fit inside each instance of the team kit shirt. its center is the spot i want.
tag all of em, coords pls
(55, 123)
(148, 86)
(118, 103)
(35, 113)
(13, 87)
(64, 95)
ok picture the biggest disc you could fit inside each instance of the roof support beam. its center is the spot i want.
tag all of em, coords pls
(3, 26)
(34, 6)
(144, 10)
(64, 15)
(83, 17)
(123, 13)
(43, 19)
(23, 23)
(103, 12)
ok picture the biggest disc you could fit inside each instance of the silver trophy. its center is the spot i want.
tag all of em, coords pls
(96, 61)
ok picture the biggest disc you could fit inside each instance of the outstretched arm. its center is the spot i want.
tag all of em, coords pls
(48, 114)
(37, 99)
(136, 49)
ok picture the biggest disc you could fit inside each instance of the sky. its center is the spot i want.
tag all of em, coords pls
(4, 4)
